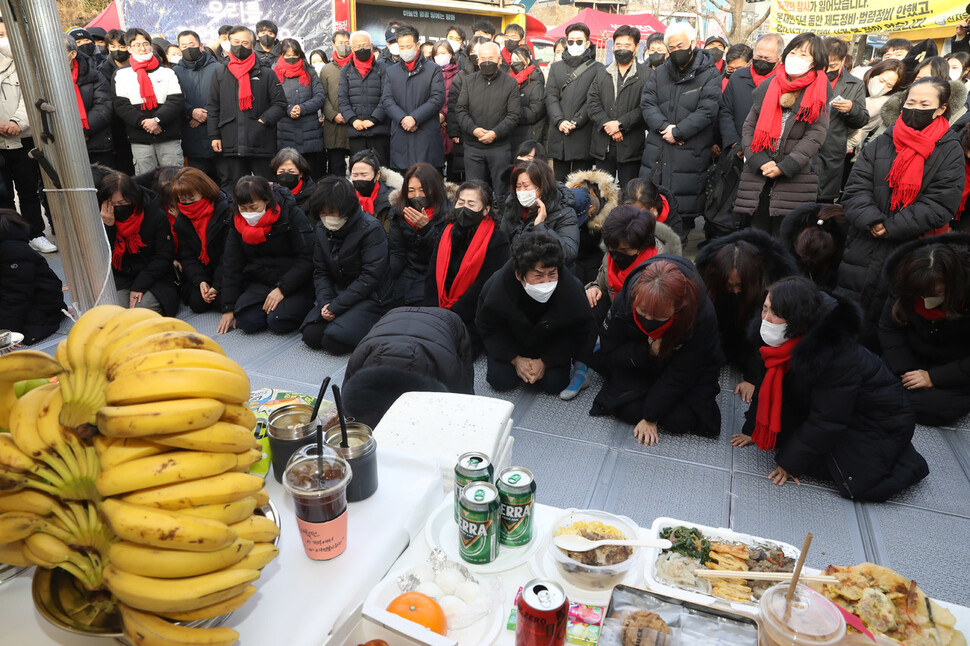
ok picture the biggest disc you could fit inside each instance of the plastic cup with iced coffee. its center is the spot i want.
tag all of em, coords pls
(318, 486)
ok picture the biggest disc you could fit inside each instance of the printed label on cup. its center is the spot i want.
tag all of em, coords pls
(324, 541)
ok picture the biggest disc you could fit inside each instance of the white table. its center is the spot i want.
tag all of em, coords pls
(299, 600)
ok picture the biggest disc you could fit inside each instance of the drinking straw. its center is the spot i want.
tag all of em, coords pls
(313, 416)
(340, 416)
(796, 574)
(323, 391)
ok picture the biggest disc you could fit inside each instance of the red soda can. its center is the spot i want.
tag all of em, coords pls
(542, 613)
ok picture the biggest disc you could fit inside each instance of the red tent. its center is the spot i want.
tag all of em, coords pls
(108, 19)
(602, 24)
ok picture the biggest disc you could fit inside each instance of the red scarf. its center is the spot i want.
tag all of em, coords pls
(171, 226)
(240, 69)
(295, 70)
(664, 210)
(429, 212)
(367, 203)
(905, 176)
(724, 82)
(719, 65)
(759, 79)
(506, 55)
(145, 88)
(296, 189)
(341, 61)
(768, 419)
(767, 133)
(199, 213)
(77, 94)
(127, 238)
(655, 333)
(966, 189)
(616, 276)
(364, 66)
(930, 315)
(524, 75)
(254, 235)
(471, 262)
(412, 64)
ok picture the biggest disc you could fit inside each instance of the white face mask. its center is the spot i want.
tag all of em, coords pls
(442, 59)
(141, 58)
(318, 66)
(955, 74)
(576, 50)
(5, 47)
(796, 66)
(932, 302)
(224, 45)
(540, 292)
(877, 88)
(557, 58)
(333, 222)
(252, 217)
(455, 44)
(408, 55)
(773, 333)
(395, 49)
(174, 60)
(526, 198)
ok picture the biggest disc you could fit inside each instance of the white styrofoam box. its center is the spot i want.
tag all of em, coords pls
(445, 425)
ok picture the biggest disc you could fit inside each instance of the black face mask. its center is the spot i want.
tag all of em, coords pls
(648, 325)
(511, 45)
(192, 54)
(622, 260)
(120, 55)
(656, 59)
(833, 75)
(681, 57)
(124, 212)
(287, 180)
(517, 67)
(363, 54)
(466, 218)
(419, 203)
(86, 48)
(267, 41)
(918, 119)
(291, 59)
(240, 52)
(718, 54)
(103, 49)
(365, 186)
(762, 67)
(623, 56)
(489, 68)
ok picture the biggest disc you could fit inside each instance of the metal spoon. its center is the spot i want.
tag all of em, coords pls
(576, 543)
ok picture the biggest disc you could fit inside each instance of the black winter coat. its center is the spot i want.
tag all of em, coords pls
(866, 202)
(418, 93)
(360, 98)
(169, 113)
(492, 104)
(196, 78)
(350, 265)
(688, 376)
(284, 260)
(560, 221)
(426, 341)
(777, 263)
(304, 132)
(303, 199)
(796, 157)
(802, 218)
(96, 96)
(736, 101)
(241, 132)
(831, 157)
(31, 299)
(844, 413)
(150, 269)
(608, 104)
(512, 324)
(410, 252)
(570, 102)
(194, 272)
(533, 124)
(688, 100)
(268, 58)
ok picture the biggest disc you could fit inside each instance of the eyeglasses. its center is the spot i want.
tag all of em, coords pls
(141, 45)
(576, 42)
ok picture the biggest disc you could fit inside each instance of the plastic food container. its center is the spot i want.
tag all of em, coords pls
(813, 621)
(594, 577)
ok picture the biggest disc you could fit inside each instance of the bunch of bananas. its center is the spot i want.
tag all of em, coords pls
(132, 473)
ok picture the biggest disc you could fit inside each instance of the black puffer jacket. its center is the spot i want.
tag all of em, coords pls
(607, 104)
(96, 95)
(150, 269)
(350, 265)
(31, 299)
(190, 246)
(513, 324)
(360, 98)
(688, 100)
(570, 102)
(195, 78)
(867, 200)
(797, 149)
(688, 376)
(426, 341)
(804, 217)
(303, 199)
(533, 123)
(268, 58)
(844, 413)
(284, 260)
(560, 221)
(410, 254)
(778, 263)
(241, 132)
(304, 132)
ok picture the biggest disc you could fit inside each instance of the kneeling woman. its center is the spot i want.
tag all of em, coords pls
(926, 323)
(351, 270)
(828, 406)
(268, 262)
(417, 219)
(660, 353)
(31, 299)
(142, 250)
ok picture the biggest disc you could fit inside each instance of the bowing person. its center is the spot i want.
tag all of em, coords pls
(417, 219)
(537, 202)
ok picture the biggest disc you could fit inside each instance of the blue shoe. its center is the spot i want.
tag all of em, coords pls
(577, 382)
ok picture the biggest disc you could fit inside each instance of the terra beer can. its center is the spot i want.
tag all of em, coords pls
(478, 523)
(471, 467)
(517, 494)
(542, 613)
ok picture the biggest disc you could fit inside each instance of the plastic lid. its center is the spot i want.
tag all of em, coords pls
(301, 476)
(813, 619)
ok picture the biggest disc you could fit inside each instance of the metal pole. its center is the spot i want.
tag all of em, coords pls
(37, 42)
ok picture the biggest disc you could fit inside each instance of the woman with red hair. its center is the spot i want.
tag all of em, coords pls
(660, 353)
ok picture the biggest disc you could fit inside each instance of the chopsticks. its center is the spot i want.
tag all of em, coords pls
(764, 576)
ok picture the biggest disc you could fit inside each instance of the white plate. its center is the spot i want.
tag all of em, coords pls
(442, 531)
(16, 338)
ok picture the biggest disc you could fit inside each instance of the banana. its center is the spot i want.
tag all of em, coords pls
(259, 557)
(8, 399)
(140, 331)
(94, 352)
(27, 364)
(50, 548)
(159, 417)
(85, 329)
(230, 512)
(86, 383)
(18, 525)
(258, 529)
(155, 343)
(240, 414)
(29, 501)
(221, 437)
(165, 528)
(13, 554)
(126, 449)
(23, 422)
(178, 383)
(162, 469)
(11, 457)
(176, 564)
(177, 358)
(146, 629)
(214, 490)
(247, 458)
(262, 497)
(216, 609)
(153, 594)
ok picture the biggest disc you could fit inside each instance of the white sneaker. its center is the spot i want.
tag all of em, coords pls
(43, 245)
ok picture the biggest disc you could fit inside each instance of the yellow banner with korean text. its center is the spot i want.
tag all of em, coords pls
(863, 16)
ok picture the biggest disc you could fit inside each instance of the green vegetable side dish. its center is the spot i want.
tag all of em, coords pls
(687, 541)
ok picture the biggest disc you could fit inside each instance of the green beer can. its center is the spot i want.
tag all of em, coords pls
(471, 467)
(517, 495)
(478, 523)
